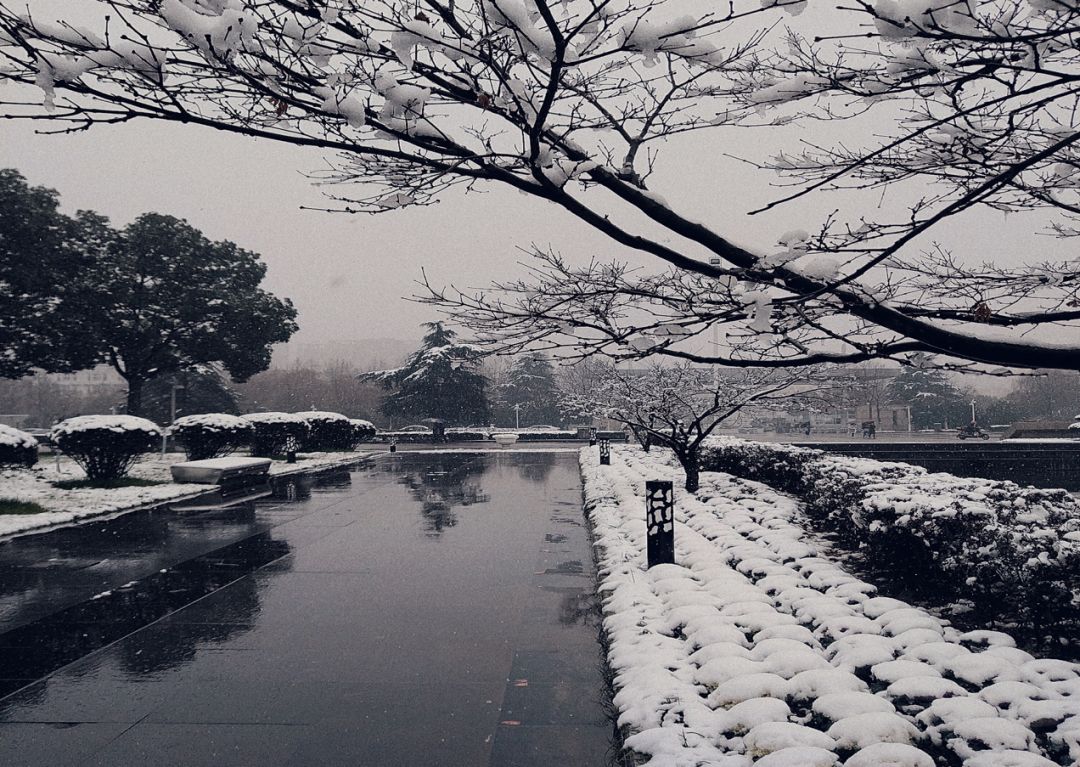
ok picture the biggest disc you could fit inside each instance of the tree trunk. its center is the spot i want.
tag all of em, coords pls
(692, 468)
(134, 396)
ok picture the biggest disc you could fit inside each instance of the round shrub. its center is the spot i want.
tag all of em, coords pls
(328, 431)
(364, 430)
(17, 448)
(106, 446)
(271, 433)
(210, 435)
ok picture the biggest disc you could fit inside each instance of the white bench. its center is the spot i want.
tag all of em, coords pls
(215, 471)
(504, 438)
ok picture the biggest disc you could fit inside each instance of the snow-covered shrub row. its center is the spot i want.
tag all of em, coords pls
(273, 433)
(754, 649)
(210, 435)
(992, 542)
(541, 436)
(105, 446)
(331, 431)
(17, 448)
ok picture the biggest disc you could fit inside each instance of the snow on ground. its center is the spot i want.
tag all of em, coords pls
(69, 506)
(754, 649)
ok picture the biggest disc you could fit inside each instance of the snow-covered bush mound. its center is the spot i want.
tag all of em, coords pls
(273, 434)
(754, 649)
(327, 431)
(992, 542)
(210, 435)
(333, 431)
(106, 446)
(364, 430)
(17, 448)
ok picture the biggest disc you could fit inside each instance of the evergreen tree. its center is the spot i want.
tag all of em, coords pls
(528, 393)
(439, 380)
(165, 299)
(932, 397)
(43, 253)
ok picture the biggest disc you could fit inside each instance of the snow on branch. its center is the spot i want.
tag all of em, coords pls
(573, 103)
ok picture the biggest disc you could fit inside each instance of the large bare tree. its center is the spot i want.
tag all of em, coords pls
(572, 103)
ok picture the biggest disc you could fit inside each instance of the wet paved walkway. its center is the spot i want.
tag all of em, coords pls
(428, 609)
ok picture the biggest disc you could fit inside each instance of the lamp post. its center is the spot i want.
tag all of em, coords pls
(973, 411)
(517, 415)
(172, 415)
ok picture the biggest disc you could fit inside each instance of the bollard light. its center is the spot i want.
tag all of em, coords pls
(605, 452)
(660, 522)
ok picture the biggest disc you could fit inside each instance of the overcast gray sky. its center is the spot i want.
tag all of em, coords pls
(348, 274)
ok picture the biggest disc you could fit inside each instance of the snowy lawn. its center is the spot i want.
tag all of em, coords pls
(755, 650)
(67, 505)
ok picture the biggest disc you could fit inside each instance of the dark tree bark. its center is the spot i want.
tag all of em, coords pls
(134, 396)
(691, 464)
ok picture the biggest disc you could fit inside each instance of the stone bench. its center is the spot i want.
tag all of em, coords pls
(504, 438)
(217, 471)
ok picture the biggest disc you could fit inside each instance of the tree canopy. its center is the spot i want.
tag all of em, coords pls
(935, 402)
(43, 253)
(167, 298)
(679, 406)
(151, 300)
(439, 380)
(575, 103)
(528, 393)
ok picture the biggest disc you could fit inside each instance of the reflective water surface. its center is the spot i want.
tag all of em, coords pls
(425, 609)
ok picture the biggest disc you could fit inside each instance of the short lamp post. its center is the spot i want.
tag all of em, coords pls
(660, 522)
(605, 452)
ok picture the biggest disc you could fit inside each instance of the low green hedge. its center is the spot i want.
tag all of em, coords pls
(1006, 548)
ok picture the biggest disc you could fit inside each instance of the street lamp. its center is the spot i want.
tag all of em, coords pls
(517, 415)
(973, 411)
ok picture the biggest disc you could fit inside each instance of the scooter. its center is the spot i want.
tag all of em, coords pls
(971, 431)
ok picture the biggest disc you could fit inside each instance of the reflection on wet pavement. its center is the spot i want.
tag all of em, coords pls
(433, 609)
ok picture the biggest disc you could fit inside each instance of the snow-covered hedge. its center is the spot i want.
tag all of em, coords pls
(1015, 549)
(17, 448)
(364, 430)
(106, 446)
(333, 431)
(425, 437)
(210, 435)
(273, 433)
(755, 649)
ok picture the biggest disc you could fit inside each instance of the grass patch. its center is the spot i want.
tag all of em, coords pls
(11, 506)
(111, 484)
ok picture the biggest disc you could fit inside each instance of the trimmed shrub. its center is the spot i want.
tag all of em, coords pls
(1008, 549)
(364, 430)
(210, 435)
(17, 448)
(329, 431)
(272, 433)
(106, 446)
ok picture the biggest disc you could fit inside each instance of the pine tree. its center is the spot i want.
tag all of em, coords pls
(529, 388)
(439, 380)
(932, 397)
